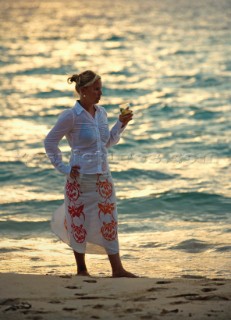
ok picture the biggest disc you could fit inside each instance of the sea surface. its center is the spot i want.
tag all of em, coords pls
(171, 60)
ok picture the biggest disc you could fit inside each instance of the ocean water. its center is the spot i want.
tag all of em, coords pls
(171, 61)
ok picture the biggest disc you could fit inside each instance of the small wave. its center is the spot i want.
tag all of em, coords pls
(192, 246)
(206, 114)
(228, 66)
(183, 52)
(136, 228)
(224, 249)
(49, 38)
(52, 94)
(13, 163)
(125, 92)
(38, 71)
(203, 81)
(16, 170)
(166, 107)
(161, 110)
(228, 230)
(128, 257)
(123, 72)
(188, 206)
(3, 63)
(45, 207)
(7, 250)
(24, 226)
(222, 149)
(141, 174)
(150, 245)
(115, 38)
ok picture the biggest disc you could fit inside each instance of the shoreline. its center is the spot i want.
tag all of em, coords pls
(53, 297)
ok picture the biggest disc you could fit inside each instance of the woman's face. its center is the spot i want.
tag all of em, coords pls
(93, 92)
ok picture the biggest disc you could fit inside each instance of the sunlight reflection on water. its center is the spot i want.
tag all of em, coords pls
(171, 61)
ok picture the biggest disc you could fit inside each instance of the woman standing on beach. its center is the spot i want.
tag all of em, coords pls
(90, 202)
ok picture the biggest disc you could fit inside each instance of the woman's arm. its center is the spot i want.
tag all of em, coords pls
(62, 127)
(118, 128)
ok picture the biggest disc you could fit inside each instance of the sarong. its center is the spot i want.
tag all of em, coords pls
(87, 221)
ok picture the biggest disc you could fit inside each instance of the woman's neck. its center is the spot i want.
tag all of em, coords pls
(88, 107)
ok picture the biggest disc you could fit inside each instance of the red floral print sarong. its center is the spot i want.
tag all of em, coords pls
(90, 215)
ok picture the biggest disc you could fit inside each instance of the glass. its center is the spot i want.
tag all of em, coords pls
(124, 108)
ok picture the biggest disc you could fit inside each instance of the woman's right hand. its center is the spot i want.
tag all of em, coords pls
(74, 172)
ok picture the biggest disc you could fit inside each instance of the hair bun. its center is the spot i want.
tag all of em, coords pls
(83, 79)
(74, 78)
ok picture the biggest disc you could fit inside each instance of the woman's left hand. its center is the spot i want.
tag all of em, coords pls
(125, 118)
(74, 172)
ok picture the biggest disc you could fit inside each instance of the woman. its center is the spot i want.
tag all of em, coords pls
(90, 204)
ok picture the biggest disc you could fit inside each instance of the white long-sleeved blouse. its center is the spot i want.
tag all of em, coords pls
(89, 137)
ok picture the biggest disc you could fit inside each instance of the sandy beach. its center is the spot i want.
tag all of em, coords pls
(43, 297)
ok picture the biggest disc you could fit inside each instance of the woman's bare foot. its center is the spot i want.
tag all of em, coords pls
(83, 274)
(124, 274)
(118, 270)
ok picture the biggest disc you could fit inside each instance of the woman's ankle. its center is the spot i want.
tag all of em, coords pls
(83, 273)
(123, 274)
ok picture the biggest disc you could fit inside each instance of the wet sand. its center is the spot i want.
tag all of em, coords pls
(43, 297)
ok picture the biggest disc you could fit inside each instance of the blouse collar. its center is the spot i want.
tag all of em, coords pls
(78, 108)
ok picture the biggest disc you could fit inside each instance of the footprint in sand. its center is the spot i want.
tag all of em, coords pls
(184, 295)
(208, 289)
(212, 297)
(195, 296)
(69, 309)
(98, 306)
(131, 310)
(143, 299)
(153, 289)
(192, 276)
(22, 305)
(164, 311)
(55, 301)
(163, 282)
(216, 284)
(4, 302)
(73, 287)
(148, 316)
(65, 276)
(89, 298)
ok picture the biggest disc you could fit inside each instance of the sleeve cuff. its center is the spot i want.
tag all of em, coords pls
(119, 127)
(64, 169)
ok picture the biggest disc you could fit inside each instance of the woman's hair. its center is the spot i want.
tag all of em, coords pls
(83, 79)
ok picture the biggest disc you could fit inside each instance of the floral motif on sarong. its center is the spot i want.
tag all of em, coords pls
(109, 230)
(76, 211)
(79, 233)
(106, 209)
(73, 190)
(104, 187)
